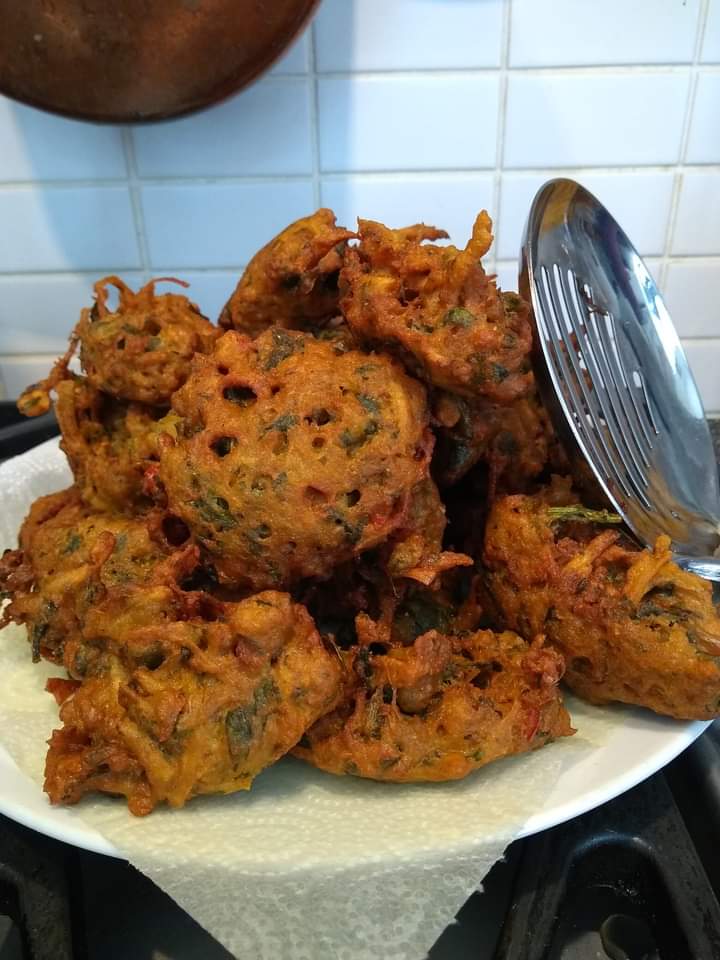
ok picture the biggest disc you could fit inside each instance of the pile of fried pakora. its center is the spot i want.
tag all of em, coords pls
(333, 525)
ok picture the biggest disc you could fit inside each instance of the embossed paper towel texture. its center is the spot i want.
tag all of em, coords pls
(305, 866)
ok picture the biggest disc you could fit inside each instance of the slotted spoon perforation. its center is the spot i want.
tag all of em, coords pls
(615, 378)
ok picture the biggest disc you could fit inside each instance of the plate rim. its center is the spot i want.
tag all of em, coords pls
(86, 837)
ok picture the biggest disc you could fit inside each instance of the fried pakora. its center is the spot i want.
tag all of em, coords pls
(194, 706)
(440, 708)
(513, 439)
(142, 350)
(291, 457)
(631, 625)
(110, 444)
(364, 412)
(293, 281)
(437, 309)
(73, 564)
(416, 550)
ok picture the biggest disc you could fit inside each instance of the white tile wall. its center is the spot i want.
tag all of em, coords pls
(704, 140)
(218, 225)
(418, 122)
(621, 117)
(640, 201)
(266, 131)
(711, 41)
(67, 228)
(697, 228)
(403, 111)
(38, 146)
(552, 33)
(408, 34)
(692, 291)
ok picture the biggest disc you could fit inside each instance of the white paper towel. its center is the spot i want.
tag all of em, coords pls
(306, 865)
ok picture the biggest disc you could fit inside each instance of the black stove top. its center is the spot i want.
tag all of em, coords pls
(636, 879)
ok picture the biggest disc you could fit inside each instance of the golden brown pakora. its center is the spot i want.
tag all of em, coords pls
(141, 351)
(416, 548)
(436, 308)
(293, 281)
(631, 625)
(291, 457)
(440, 708)
(194, 706)
(512, 439)
(74, 565)
(110, 444)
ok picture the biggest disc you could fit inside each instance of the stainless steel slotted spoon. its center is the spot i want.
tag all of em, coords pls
(615, 378)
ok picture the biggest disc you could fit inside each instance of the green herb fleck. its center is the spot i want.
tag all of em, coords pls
(283, 346)
(353, 531)
(581, 514)
(648, 609)
(215, 510)
(368, 403)
(154, 343)
(120, 543)
(280, 481)
(255, 536)
(458, 317)
(352, 440)
(39, 631)
(282, 424)
(245, 723)
(73, 543)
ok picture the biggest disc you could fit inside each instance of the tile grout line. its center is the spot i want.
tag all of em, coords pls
(133, 184)
(684, 140)
(439, 173)
(584, 69)
(500, 129)
(314, 115)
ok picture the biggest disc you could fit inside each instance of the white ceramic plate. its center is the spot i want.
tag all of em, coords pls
(614, 749)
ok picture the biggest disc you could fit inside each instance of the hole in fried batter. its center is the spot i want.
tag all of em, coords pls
(223, 445)
(206, 609)
(315, 495)
(319, 417)
(240, 395)
(175, 530)
(318, 442)
(352, 498)
(581, 665)
(482, 678)
(152, 659)
(121, 343)
(378, 649)
(222, 370)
